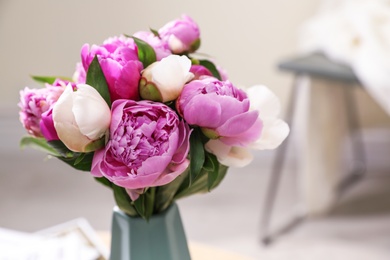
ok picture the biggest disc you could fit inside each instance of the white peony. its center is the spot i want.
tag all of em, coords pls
(81, 117)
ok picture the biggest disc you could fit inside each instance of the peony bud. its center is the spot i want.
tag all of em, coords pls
(81, 118)
(182, 35)
(118, 59)
(164, 80)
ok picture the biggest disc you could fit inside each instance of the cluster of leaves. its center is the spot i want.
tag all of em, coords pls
(204, 173)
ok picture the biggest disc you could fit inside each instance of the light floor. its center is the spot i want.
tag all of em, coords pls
(36, 193)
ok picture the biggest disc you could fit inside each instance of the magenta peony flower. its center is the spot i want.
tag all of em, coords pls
(160, 47)
(148, 146)
(182, 35)
(118, 58)
(221, 110)
(200, 71)
(47, 126)
(34, 102)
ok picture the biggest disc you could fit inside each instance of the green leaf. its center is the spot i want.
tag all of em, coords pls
(200, 185)
(210, 162)
(61, 148)
(123, 201)
(213, 169)
(146, 53)
(104, 181)
(155, 32)
(150, 199)
(96, 79)
(139, 205)
(79, 161)
(211, 67)
(39, 144)
(48, 79)
(197, 156)
(221, 175)
(80, 158)
(82, 164)
(145, 203)
(165, 194)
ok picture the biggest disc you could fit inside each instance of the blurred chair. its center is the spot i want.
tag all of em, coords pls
(322, 95)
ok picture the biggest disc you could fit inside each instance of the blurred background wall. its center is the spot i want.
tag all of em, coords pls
(247, 38)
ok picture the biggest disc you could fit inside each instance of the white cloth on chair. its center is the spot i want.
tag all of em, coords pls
(356, 33)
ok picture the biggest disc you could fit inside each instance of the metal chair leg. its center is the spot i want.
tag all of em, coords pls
(277, 168)
(353, 176)
(356, 141)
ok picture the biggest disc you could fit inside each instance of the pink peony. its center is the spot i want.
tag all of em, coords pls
(35, 102)
(221, 110)
(118, 58)
(274, 130)
(147, 147)
(182, 35)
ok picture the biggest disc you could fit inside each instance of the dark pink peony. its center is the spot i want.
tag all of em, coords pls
(118, 58)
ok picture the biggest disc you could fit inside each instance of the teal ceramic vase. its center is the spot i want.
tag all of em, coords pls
(162, 237)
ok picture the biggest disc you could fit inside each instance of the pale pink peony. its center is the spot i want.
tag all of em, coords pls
(182, 35)
(272, 135)
(221, 110)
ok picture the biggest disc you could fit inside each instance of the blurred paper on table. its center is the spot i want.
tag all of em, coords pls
(68, 241)
(356, 33)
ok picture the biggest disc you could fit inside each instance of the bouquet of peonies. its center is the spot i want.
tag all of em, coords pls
(150, 120)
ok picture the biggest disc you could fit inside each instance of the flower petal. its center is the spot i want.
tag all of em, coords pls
(170, 74)
(273, 133)
(231, 156)
(171, 173)
(264, 100)
(209, 104)
(91, 112)
(238, 124)
(65, 123)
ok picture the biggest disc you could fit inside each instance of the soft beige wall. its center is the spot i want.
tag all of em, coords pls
(247, 37)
